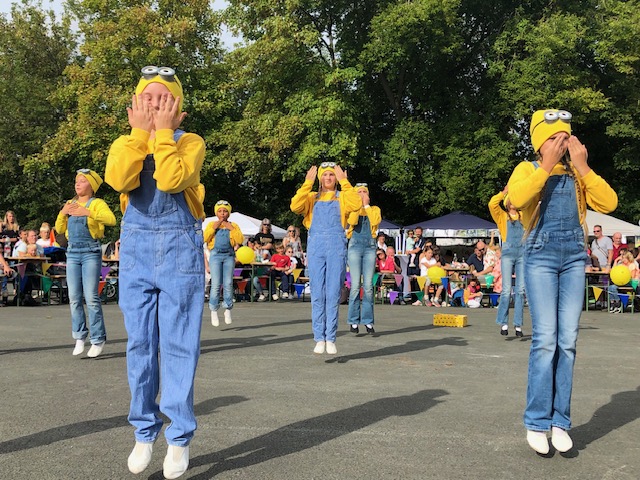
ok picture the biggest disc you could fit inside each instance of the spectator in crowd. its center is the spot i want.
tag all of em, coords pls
(265, 239)
(282, 265)
(628, 261)
(477, 264)
(325, 216)
(617, 245)
(223, 239)
(509, 222)
(552, 194)
(602, 247)
(388, 263)
(22, 240)
(32, 270)
(427, 261)
(409, 244)
(83, 219)
(473, 294)
(7, 272)
(45, 236)
(418, 245)
(157, 169)
(381, 241)
(255, 279)
(361, 257)
(293, 240)
(10, 229)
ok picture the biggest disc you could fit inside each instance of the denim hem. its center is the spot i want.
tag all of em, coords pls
(178, 445)
(81, 337)
(99, 341)
(563, 427)
(535, 428)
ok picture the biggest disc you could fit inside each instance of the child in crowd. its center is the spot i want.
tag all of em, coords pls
(223, 238)
(410, 245)
(472, 294)
(157, 170)
(32, 250)
(255, 280)
(282, 264)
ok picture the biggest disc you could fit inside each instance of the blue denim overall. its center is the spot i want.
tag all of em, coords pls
(161, 298)
(361, 256)
(555, 260)
(221, 262)
(512, 258)
(326, 256)
(84, 264)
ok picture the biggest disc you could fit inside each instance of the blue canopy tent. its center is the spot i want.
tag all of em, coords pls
(460, 227)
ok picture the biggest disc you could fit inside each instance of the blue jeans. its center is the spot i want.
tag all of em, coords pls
(511, 260)
(83, 277)
(221, 266)
(554, 264)
(362, 262)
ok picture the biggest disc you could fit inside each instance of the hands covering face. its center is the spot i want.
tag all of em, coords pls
(143, 115)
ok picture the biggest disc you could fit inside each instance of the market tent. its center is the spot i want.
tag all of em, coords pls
(455, 224)
(611, 225)
(249, 226)
(389, 228)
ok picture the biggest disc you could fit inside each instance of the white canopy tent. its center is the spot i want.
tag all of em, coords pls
(610, 225)
(249, 226)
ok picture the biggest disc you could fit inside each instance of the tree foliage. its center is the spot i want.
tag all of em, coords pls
(428, 101)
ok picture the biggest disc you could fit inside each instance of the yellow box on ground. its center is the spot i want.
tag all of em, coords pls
(449, 320)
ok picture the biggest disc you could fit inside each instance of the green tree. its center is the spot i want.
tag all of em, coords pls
(35, 48)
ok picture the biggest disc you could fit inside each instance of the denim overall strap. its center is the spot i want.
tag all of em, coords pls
(162, 296)
(361, 257)
(326, 263)
(80, 239)
(555, 260)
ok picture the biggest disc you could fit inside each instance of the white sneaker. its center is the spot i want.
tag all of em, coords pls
(331, 348)
(538, 441)
(561, 440)
(79, 348)
(319, 347)
(285, 295)
(227, 317)
(95, 350)
(140, 457)
(215, 321)
(274, 296)
(176, 462)
(262, 298)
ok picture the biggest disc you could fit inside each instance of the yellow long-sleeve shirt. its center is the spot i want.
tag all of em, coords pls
(178, 165)
(375, 217)
(498, 214)
(235, 234)
(100, 215)
(527, 181)
(303, 201)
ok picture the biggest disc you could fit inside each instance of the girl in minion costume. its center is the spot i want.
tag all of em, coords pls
(509, 222)
(223, 238)
(325, 216)
(552, 194)
(156, 167)
(82, 219)
(361, 256)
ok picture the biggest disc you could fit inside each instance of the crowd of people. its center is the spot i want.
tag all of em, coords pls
(540, 215)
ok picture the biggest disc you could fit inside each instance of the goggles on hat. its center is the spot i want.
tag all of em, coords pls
(328, 164)
(166, 73)
(358, 185)
(222, 202)
(552, 116)
(86, 171)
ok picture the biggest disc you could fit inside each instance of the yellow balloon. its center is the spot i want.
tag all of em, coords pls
(245, 255)
(620, 275)
(435, 274)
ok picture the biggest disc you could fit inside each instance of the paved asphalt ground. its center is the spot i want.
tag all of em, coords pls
(412, 402)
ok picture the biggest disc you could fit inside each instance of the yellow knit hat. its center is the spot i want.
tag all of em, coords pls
(92, 177)
(326, 167)
(359, 186)
(164, 75)
(546, 123)
(222, 204)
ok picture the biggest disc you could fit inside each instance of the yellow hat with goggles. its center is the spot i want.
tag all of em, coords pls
(164, 75)
(546, 123)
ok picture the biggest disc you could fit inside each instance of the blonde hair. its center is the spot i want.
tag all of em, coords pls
(5, 224)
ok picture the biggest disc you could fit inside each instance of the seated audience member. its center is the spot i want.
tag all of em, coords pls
(255, 279)
(381, 241)
(614, 299)
(472, 294)
(7, 273)
(282, 264)
(9, 228)
(265, 239)
(387, 262)
(618, 245)
(45, 236)
(425, 263)
(22, 240)
(31, 269)
(292, 240)
(476, 262)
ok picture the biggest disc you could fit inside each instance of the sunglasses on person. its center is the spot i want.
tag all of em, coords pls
(597, 231)
(166, 73)
(291, 231)
(328, 164)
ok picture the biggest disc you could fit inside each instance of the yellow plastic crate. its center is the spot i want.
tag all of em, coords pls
(449, 320)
